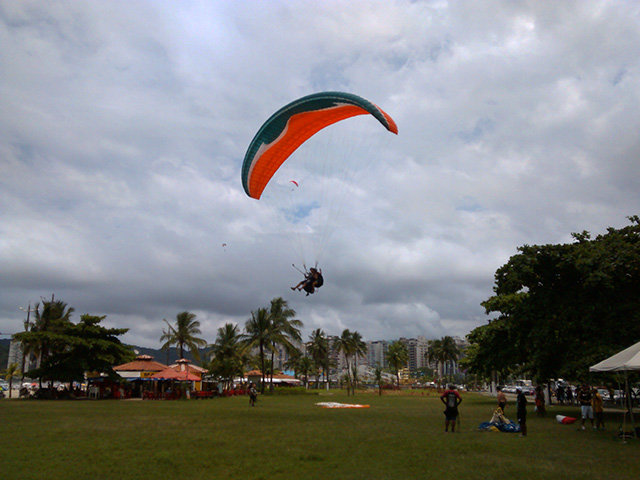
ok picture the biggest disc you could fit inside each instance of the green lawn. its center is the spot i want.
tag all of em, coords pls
(288, 437)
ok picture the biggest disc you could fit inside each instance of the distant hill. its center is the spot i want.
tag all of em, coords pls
(173, 354)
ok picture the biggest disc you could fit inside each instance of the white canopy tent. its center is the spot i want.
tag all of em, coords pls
(624, 361)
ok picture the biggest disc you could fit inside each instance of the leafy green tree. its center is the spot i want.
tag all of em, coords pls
(184, 334)
(564, 307)
(78, 348)
(490, 353)
(397, 357)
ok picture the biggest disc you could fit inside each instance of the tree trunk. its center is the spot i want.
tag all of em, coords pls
(261, 369)
(272, 367)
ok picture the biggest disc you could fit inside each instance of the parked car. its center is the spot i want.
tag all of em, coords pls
(4, 386)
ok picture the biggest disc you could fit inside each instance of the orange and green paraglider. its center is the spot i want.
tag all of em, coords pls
(293, 125)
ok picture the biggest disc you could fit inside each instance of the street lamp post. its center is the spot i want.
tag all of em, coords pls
(27, 326)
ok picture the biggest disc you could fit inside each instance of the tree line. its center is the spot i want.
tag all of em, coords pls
(63, 351)
(561, 308)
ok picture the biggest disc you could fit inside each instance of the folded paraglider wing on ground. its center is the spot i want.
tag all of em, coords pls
(500, 423)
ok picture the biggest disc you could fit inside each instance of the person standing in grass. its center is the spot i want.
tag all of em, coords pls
(521, 412)
(253, 394)
(584, 399)
(451, 399)
(598, 411)
(502, 399)
(569, 394)
(541, 409)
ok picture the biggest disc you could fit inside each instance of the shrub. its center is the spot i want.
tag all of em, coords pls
(292, 391)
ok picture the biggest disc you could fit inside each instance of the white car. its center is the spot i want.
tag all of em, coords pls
(4, 386)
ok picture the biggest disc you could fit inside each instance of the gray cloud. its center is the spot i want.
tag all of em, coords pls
(124, 127)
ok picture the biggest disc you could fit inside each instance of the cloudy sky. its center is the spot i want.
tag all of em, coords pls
(123, 128)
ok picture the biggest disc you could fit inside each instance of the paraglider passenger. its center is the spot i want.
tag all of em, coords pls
(312, 280)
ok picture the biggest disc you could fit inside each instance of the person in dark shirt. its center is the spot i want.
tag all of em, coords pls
(521, 412)
(311, 282)
(584, 400)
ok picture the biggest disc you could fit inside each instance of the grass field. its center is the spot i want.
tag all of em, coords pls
(288, 437)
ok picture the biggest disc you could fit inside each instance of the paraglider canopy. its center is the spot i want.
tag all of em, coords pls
(294, 124)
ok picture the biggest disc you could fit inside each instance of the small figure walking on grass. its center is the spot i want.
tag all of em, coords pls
(253, 395)
(451, 399)
(541, 409)
(521, 412)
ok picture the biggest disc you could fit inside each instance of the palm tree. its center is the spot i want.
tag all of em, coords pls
(433, 355)
(13, 370)
(293, 361)
(305, 367)
(378, 374)
(184, 334)
(450, 352)
(343, 344)
(228, 353)
(397, 355)
(53, 318)
(257, 334)
(284, 329)
(166, 347)
(442, 351)
(352, 346)
(359, 350)
(319, 351)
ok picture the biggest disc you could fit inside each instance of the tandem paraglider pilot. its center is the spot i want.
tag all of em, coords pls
(312, 280)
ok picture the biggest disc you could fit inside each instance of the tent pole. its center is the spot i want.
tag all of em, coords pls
(629, 401)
